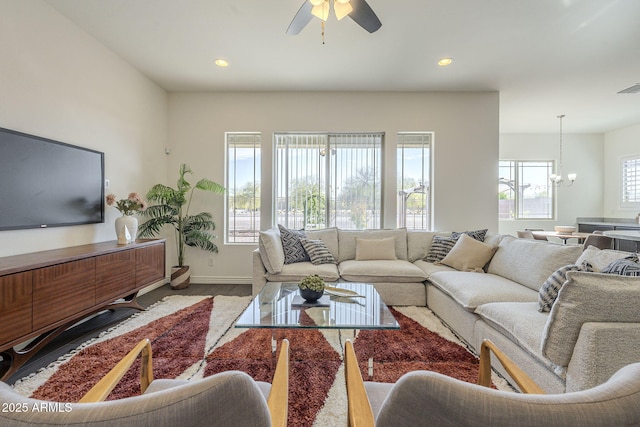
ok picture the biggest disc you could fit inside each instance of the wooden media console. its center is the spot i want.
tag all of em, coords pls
(44, 293)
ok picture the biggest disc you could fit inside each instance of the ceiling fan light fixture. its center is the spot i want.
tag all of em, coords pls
(342, 9)
(321, 11)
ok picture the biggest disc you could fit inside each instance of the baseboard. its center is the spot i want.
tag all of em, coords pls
(221, 280)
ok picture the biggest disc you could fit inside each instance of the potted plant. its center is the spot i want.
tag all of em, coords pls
(311, 287)
(172, 208)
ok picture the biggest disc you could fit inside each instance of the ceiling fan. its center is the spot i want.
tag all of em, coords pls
(358, 10)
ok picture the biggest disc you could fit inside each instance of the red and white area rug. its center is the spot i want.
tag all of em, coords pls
(193, 337)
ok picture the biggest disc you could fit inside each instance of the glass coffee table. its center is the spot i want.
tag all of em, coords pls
(274, 308)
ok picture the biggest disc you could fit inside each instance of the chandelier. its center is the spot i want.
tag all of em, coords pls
(556, 178)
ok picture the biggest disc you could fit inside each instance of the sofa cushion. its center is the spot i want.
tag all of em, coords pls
(600, 258)
(550, 288)
(429, 268)
(371, 249)
(380, 271)
(329, 236)
(299, 270)
(530, 262)
(293, 250)
(419, 242)
(521, 322)
(470, 289)
(588, 297)
(271, 251)
(469, 254)
(318, 252)
(476, 234)
(440, 247)
(347, 241)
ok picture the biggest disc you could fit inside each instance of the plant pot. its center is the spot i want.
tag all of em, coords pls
(180, 277)
(309, 295)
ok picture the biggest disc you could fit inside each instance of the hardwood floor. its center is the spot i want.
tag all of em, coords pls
(73, 337)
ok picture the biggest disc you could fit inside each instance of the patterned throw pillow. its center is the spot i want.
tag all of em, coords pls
(440, 247)
(551, 287)
(629, 266)
(476, 234)
(318, 252)
(293, 250)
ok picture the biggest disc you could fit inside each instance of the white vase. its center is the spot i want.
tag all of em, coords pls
(126, 229)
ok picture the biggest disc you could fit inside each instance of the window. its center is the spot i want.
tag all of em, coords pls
(242, 221)
(414, 172)
(631, 181)
(327, 180)
(525, 191)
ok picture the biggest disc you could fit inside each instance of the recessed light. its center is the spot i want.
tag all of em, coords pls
(222, 62)
(445, 61)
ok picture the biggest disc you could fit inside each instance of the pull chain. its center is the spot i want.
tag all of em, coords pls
(322, 32)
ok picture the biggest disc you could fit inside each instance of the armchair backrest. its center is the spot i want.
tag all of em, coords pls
(228, 398)
(426, 397)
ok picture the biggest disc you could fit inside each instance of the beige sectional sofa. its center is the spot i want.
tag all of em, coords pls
(592, 330)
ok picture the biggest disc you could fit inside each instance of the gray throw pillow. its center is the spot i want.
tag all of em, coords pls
(318, 252)
(551, 287)
(476, 234)
(440, 247)
(291, 245)
(629, 266)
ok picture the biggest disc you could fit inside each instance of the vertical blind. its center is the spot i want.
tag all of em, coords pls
(243, 187)
(326, 180)
(631, 180)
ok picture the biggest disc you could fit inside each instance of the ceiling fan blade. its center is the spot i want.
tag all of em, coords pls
(301, 19)
(365, 16)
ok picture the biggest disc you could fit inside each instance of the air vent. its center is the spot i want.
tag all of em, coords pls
(633, 89)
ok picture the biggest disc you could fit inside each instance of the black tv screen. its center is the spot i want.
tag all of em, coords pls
(46, 183)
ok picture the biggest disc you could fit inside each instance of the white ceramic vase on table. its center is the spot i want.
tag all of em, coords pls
(126, 228)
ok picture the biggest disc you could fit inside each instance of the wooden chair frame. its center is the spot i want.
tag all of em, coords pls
(361, 413)
(278, 400)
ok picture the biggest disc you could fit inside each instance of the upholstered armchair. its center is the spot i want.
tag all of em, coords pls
(424, 398)
(230, 398)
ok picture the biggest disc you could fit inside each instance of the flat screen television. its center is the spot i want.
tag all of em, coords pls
(46, 183)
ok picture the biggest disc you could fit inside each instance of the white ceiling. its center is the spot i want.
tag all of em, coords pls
(545, 57)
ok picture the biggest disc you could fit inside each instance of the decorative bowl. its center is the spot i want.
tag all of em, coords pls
(568, 229)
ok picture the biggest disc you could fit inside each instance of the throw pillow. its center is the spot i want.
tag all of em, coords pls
(375, 249)
(469, 254)
(291, 245)
(551, 287)
(476, 234)
(600, 258)
(629, 266)
(271, 250)
(318, 252)
(440, 247)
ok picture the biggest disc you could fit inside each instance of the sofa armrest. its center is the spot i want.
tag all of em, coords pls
(259, 271)
(600, 351)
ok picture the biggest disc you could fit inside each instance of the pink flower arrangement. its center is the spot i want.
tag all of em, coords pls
(129, 206)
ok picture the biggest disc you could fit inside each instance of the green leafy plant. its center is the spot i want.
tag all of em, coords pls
(313, 283)
(172, 208)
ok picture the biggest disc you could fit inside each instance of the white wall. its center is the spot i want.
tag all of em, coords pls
(618, 144)
(582, 154)
(59, 83)
(466, 151)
